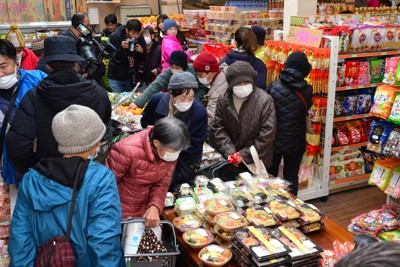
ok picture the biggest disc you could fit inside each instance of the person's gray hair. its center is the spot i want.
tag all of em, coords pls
(171, 133)
(379, 254)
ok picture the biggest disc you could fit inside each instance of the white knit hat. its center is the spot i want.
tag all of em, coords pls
(15, 36)
(77, 129)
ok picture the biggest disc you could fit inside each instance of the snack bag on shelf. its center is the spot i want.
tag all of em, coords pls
(364, 103)
(389, 38)
(393, 188)
(342, 134)
(377, 69)
(391, 236)
(356, 131)
(364, 76)
(305, 176)
(378, 135)
(352, 72)
(383, 101)
(390, 69)
(392, 146)
(309, 155)
(360, 39)
(369, 160)
(395, 112)
(345, 154)
(341, 74)
(381, 173)
(340, 109)
(314, 138)
(377, 38)
(350, 105)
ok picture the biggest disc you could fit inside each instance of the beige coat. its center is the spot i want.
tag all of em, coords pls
(218, 87)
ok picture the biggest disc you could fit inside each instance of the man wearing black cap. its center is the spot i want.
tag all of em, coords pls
(260, 34)
(30, 138)
(292, 97)
(178, 63)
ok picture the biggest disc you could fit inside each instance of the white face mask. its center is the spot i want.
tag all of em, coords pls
(6, 82)
(204, 80)
(243, 91)
(93, 157)
(147, 39)
(174, 71)
(170, 156)
(182, 107)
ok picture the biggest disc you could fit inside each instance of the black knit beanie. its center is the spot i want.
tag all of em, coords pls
(299, 62)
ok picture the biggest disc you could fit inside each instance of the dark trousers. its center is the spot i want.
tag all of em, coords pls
(290, 169)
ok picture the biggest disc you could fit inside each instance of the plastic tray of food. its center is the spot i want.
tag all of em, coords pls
(241, 197)
(198, 238)
(261, 217)
(185, 205)
(187, 222)
(300, 245)
(218, 204)
(230, 221)
(201, 194)
(284, 210)
(214, 255)
(312, 227)
(260, 243)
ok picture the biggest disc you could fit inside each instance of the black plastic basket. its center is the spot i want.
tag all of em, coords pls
(167, 259)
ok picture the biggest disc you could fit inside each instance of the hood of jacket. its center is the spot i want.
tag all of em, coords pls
(120, 32)
(60, 89)
(293, 79)
(234, 56)
(54, 181)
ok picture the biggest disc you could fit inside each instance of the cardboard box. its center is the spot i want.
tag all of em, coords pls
(48, 9)
(58, 13)
(223, 29)
(4, 12)
(24, 7)
(37, 11)
(14, 11)
(227, 15)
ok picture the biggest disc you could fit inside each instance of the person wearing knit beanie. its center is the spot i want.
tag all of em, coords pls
(260, 34)
(77, 129)
(170, 24)
(240, 72)
(15, 36)
(180, 103)
(37, 47)
(299, 61)
(209, 74)
(178, 58)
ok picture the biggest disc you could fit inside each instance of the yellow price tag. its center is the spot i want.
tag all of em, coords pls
(260, 237)
(293, 238)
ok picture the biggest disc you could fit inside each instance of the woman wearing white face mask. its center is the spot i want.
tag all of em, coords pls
(14, 84)
(180, 103)
(245, 117)
(150, 64)
(143, 164)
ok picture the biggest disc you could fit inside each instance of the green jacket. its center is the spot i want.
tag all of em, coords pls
(161, 83)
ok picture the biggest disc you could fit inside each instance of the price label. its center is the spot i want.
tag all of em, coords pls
(191, 223)
(305, 36)
(268, 210)
(235, 216)
(276, 243)
(262, 180)
(202, 232)
(312, 206)
(232, 186)
(291, 204)
(217, 249)
(223, 202)
(308, 244)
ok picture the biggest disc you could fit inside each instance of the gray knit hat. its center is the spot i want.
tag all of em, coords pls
(183, 80)
(77, 129)
(240, 71)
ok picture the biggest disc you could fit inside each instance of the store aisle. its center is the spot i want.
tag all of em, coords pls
(342, 207)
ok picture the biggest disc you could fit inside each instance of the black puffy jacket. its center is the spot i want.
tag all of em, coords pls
(32, 122)
(290, 111)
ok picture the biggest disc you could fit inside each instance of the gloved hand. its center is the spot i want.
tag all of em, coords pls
(235, 158)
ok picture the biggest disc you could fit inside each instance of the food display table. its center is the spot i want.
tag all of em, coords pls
(323, 238)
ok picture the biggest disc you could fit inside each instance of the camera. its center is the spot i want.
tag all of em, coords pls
(91, 49)
(131, 44)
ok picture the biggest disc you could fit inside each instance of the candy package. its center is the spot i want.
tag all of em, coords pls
(341, 134)
(363, 104)
(341, 74)
(379, 134)
(380, 174)
(352, 71)
(376, 39)
(305, 176)
(389, 38)
(395, 112)
(369, 160)
(383, 101)
(377, 69)
(392, 146)
(391, 236)
(347, 168)
(360, 39)
(393, 188)
(390, 69)
(364, 76)
(314, 138)
(350, 105)
(340, 110)
(356, 131)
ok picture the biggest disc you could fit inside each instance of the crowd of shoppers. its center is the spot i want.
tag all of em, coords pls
(57, 123)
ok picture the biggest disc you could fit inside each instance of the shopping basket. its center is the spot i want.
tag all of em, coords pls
(167, 259)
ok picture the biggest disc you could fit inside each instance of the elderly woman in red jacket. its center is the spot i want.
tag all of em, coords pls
(143, 164)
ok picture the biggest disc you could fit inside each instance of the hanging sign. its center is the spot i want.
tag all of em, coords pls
(305, 36)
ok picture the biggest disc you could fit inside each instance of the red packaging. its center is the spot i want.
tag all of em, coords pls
(352, 71)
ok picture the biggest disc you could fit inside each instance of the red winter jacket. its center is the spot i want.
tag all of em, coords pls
(143, 179)
(29, 59)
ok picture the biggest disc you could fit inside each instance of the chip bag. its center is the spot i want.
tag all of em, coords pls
(352, 72)
(393, 188)
(377, 69)
(364, 102)
(364, 76)
(395, 112)
(383, 101)
(379, 134)
(390, 69)
(380, 174)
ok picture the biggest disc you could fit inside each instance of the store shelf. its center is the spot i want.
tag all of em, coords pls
(347, 182)
(355, 87)
(37, 25)
(349, 118)
(104, 2)
(197, 41)
(340, 148)
(315, 191)
(371, 54)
